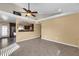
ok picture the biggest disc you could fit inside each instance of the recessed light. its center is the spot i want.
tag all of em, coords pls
(4, 17)
(59, 10)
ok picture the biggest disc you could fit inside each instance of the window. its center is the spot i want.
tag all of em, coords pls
(4, 30)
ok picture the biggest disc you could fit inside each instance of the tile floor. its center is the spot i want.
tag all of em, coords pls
(4, 42)
(40, 47)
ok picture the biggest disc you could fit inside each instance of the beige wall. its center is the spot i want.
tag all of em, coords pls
(21, 36)
(63, 29)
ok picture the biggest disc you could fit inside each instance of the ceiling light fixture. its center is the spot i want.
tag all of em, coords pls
(29, 14)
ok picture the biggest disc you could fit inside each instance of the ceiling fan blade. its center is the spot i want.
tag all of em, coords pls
(35, 12)
(33, 15)
(25, 9)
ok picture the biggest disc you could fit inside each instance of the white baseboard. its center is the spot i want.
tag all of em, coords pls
(61, 43)
(27, 39)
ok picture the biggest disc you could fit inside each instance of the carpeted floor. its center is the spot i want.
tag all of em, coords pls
(40, 47)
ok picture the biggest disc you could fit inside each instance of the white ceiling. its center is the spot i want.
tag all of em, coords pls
(44, 9)
(49, 9)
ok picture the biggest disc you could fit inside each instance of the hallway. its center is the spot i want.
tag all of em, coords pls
(40, 47)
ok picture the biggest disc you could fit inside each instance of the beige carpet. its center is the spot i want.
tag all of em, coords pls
(40, 47)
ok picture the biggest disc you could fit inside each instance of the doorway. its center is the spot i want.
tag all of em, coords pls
(12, 30)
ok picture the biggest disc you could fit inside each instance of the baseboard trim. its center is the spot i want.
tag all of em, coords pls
(61, 42)
(26, 39)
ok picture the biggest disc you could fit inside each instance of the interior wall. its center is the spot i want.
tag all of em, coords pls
(63, 29)
(21, 36)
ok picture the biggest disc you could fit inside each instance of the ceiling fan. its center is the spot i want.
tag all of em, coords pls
(28, 11)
